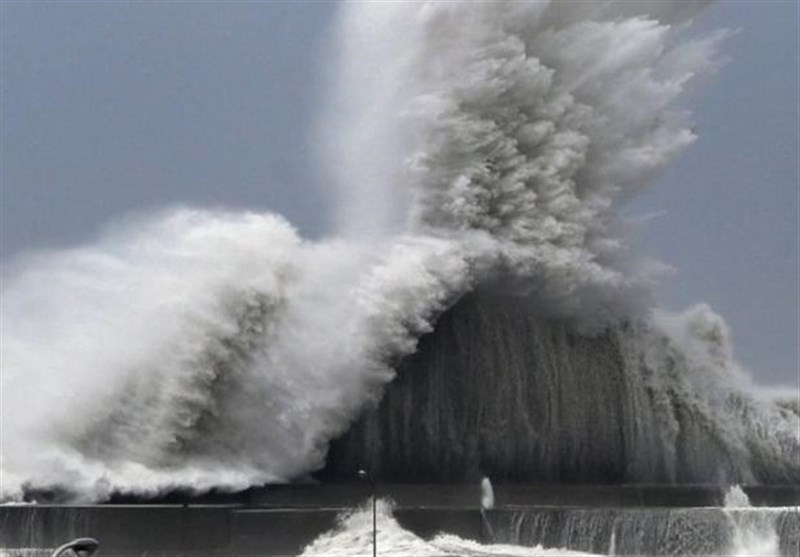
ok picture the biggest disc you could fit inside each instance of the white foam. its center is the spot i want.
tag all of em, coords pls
(754, 532)
(353, 537)
(473, 141)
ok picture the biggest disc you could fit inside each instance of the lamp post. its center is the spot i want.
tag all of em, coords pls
(82, 547)
(364, 476)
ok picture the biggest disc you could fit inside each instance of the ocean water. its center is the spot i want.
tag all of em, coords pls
(303, 524)
(475, 310)
(736, 529)
(354, 537)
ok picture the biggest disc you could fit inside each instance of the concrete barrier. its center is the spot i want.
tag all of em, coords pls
(282, 520)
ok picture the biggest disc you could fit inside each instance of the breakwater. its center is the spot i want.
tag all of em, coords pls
(282, 520)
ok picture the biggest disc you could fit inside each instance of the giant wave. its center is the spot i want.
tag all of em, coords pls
(473, 147)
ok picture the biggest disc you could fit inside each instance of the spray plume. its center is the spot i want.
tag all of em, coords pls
(468, 142)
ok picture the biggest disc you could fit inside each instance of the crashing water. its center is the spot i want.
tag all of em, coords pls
(498, 390)
(472, 146)
(354, 537)
(534, 527)
(755, 531)
(737, 529)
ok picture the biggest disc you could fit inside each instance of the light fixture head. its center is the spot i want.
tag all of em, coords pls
(82, 547)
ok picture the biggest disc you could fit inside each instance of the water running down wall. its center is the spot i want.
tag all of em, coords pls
(468, 144)
(527, 530)
(497, 390)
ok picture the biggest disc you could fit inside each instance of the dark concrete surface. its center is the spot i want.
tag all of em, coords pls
(347, 495)
(166, 530)
(282, 520)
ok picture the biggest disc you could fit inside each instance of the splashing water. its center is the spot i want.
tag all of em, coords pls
(200, 349)
(354, 537)
(487, 494)
(698, 531)
(754, 532)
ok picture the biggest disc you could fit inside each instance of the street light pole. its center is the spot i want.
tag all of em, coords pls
(363, 475)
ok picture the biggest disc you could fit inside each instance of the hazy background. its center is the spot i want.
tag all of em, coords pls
(109, 108)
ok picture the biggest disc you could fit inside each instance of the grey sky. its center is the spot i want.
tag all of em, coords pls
(732, 201)
(109, 108)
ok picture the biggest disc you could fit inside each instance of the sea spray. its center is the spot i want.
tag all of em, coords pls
(754, 531)
(550, 531)
(198, 349)
(353, 537)
(487, 494)
(501, 388)
(183, 362)
(530, 121)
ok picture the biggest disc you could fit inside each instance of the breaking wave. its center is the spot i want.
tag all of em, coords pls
(736, 529)
(353, 537)
(469, 144)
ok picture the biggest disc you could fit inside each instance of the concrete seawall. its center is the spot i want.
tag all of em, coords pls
(126, 531)
(282, 520)
(176, 530)
(167, 530)
(348, 495)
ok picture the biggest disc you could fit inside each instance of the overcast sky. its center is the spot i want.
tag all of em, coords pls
(109, 108)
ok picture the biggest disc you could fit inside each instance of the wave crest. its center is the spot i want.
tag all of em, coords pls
(470, 144)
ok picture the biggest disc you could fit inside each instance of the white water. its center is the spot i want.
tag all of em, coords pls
(753, 533)
(199, 349)
(487, 494)
(353, 537)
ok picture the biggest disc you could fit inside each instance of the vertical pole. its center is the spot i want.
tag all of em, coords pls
(363, 475)
(374, 520)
